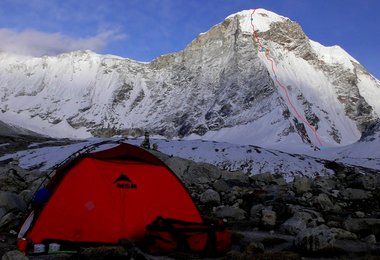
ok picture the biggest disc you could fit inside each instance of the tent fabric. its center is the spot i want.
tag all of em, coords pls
(111, 195)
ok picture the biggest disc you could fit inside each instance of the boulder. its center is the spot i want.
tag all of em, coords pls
(280, 181)
(265, 177)
(324, 183)
(268, 217)
(3, 211)
(315, 239)
(343, 234)
(210, 197)
(177, 165)
(369, 181)
(253, 249)
(362, 226)
(14, 255)
(27, 195)
(301, 184)
(104, 252)
(359, 214)
(202, 173)
(12, 201)
(235, 176)
(12, 179)
(323, 202)
(230, 212)
(334, 193)
(355, 194)
(371, 239)
(296, 223)
(221, 186)
(255, 212)
(8, 221)
(307, 196)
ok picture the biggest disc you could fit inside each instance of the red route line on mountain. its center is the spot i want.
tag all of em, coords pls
(267, 53)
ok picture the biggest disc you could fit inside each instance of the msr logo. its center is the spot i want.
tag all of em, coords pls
(123, 182)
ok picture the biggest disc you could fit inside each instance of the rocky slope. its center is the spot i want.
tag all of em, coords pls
(332, 217)
(220, 87)
(11, 130)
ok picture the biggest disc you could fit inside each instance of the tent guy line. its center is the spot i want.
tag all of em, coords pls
(267, 53)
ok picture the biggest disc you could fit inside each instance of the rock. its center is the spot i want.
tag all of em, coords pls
(280, 181)
(210, 197)
(355, 194)
(14, 255)
(281, 210)
(234, 255)
(323, 202)
(368, 181)
(334, 224)
(268, 217)
(11, 201)
(2, 212)
(177, 165)
(230, 212)
(104, 252)
(371, 239)
(325, 183)
(283, 255)
(307, 195)
(12, 179)
(301, 184)
(334, 193)
(221, 186)
(263, 177)
(237, 176)
(255, 212)
(201, 173)
(293, 209)
(27, 195)
(296, 223)
(315, 239)
(8, 221)
(362, 226)
(343, 234)
(359, 214)
(253, 249)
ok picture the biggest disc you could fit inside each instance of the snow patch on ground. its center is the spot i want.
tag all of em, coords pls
(247, 158)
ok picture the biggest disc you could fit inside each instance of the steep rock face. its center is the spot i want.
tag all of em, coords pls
(372, 132)
(290, 36)
(216, 82)
(220, 87)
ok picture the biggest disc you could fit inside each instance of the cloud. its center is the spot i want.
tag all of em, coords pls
(36, 43)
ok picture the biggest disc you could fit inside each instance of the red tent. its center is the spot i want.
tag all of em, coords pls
(106, 196)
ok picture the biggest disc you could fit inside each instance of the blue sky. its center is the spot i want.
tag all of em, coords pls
(145, 29)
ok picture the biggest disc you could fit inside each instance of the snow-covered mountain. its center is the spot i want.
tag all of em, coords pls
(220, 87)
(11, 130)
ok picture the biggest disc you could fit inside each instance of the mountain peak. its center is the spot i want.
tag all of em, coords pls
(262, 19)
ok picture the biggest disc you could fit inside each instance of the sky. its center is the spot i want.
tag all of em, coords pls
(145, 29)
